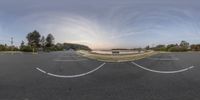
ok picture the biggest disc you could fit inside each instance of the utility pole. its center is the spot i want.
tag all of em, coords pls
(11, 41)
(11, 44)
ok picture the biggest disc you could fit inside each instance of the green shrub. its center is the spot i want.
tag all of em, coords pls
(177, 49)
(27, 49)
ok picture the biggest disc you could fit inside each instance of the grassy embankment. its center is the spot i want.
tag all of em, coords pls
(116, 58)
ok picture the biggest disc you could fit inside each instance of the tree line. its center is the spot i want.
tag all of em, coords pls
(5, 47)
(182, 47)
(36, 42)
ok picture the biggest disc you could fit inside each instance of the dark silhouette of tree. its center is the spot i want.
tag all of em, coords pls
(184, 44)
(22, 44)
(49, 40)
(147, 47)
(43, 42)
(3, 47)
(33, 38)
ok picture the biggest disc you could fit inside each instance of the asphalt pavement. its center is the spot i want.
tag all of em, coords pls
(68, 76)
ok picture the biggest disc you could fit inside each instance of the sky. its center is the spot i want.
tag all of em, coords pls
(102, 24)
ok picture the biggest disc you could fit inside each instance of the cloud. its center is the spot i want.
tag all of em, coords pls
(65, 27)
(154, 25)
(109, 24)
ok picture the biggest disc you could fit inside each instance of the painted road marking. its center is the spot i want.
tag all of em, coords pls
(71, 76)
(162, 72)
(167, 59)
(59, 60)
(41, 70)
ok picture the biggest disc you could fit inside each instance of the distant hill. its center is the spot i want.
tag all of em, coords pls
(68, 46)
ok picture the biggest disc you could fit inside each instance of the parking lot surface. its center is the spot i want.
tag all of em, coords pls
(68, 76)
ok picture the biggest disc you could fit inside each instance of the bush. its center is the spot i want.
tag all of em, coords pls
(27, 49)
(2, 47)
(177, 49)
(195, 47)
(160, 48)
(8, 48)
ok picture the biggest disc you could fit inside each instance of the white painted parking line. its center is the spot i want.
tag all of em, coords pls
(59, 60)
(162, 72)
(167, 59)
(41, 70)
(71, 76)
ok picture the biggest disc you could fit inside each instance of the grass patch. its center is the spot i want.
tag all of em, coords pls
(10, 52)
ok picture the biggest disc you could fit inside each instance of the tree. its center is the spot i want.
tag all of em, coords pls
(22, 45)
(33, 38)
(147, 47)
(49, 40)
(184, 44)
(195, 47)
(43, 42)
(2, 47)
